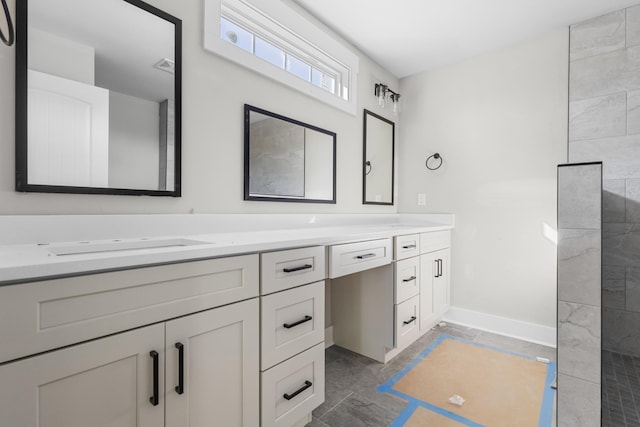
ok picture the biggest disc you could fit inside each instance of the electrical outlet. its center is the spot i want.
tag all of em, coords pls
(422, 199)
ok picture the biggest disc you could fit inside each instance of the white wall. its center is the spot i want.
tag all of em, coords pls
(214, 91)
(500, 123)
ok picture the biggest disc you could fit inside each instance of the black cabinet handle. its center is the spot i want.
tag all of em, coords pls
(365, 256)
(409, 247)
(299, 322)
(306, 385)
(155, 399)
(180, 386)
(413, 319)
(409, 279)
(302, 267)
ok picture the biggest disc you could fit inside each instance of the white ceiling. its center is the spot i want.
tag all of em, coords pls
(410, 36)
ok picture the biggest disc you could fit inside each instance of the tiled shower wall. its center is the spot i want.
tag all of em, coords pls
(579, 296)
(604, 125)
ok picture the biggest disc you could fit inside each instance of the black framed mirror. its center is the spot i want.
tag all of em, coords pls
(98, 98)
(378, 160)
(286, 160)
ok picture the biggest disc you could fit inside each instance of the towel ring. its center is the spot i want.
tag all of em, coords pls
(435, 156)
(7, 40)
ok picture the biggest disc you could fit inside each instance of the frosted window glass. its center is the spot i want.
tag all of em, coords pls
(298, 68)
(236, 35)
(269, 52)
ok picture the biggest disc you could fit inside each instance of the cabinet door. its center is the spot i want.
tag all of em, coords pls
(102, 383)
(220, 370)
(441, 294)
(428, 271)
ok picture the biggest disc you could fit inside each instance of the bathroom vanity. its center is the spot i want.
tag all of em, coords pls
(223, 326)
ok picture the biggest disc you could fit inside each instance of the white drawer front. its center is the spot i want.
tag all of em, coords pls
(434, 241)
(285, 269)
(301, 379)
(406, 246)
(54, 313)
(407, 279)
(353, 257)
(407, 322)
(292, 321)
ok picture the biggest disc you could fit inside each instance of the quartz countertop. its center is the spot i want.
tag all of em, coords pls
(21, 263)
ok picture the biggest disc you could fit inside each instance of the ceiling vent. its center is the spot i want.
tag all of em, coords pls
(166, 64)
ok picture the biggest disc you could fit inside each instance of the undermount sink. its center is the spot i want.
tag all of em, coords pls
(101, 247)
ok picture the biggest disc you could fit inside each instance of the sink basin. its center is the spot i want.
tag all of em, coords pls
(101, 247)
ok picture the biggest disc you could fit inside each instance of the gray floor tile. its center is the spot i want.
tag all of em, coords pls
(357, 411)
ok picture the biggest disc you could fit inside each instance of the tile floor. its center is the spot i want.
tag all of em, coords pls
(351, 398)
(620, 390)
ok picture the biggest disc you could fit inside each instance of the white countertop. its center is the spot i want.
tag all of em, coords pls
(21, 263)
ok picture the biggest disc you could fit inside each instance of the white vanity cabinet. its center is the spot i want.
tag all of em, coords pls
(195, 369)
(292, 335)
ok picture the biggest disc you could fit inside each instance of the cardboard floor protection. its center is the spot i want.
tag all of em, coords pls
(499, 388)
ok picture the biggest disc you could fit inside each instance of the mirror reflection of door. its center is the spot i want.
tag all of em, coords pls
(378, 165)
(101, 95)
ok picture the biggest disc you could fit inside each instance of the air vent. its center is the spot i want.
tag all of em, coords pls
(166, 64)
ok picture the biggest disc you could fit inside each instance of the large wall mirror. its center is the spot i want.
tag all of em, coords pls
(97, 97)
(287, 160)
(379, 140)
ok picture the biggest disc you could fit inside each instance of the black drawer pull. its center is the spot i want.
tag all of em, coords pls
(365, 256)
(413, 319)
(155, 399)
(410, 279)
(306, 385)
(409, 246)
(302, 267)
(299, 322)
(180, 386)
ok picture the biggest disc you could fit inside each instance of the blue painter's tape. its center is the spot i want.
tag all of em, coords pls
(546, 411)
(546, 408)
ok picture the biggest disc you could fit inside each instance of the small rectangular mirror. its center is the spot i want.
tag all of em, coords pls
(378, 162)
(286, 160)
(97, 98)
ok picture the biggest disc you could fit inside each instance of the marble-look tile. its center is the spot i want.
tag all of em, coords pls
(633, 112)
(632, 302)
(613, 200)
(357, 411)
(605, 74)
(613, 286)
(578, 402)
(620, 244)
(620, 156)
(579, 196)
(633, 26)
(598, 35)
(579, 340)
(579, 266)
(632, 203)
(621, 332)
(316, 422)
(598, 117)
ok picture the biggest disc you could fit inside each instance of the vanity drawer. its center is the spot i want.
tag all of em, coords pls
(353, 257)
(407, 279)
(292, 321)
(407, 322)
(54, 313)
(406, 246)
(285, 269)
(434, 241)
(293, 388)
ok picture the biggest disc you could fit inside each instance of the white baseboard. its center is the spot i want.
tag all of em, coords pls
(328, 337)
(525, 331)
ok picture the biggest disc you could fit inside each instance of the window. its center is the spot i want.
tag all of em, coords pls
(276, 41)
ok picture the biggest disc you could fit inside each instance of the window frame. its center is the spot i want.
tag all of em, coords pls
(288, 30)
